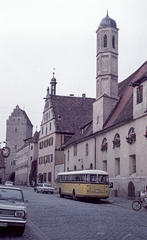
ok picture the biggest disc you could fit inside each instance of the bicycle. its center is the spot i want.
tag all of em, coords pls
(138, 204)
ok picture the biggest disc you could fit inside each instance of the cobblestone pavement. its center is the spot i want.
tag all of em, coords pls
(53, 218)
(66, 219)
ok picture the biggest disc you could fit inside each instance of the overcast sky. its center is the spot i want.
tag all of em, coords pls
(37, 36)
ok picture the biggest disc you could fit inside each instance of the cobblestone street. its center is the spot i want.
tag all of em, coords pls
(66, 219)
(52, 218)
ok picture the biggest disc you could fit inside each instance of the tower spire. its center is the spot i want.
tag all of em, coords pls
(53, 85)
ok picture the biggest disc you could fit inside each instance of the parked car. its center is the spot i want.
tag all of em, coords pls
(45, 188)
(9, 183)
(12, 209)
(35, 187)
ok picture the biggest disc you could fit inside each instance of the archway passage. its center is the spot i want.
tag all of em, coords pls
(12, 177)
(131, 190)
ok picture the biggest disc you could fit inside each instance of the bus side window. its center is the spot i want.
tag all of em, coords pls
(83, 178)
(93, 178)
(100, 178)
(87, 178)
(73, 178)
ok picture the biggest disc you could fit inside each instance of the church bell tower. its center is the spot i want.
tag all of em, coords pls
(106, 72)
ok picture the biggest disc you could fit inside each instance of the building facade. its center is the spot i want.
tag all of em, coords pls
(115, 140)
(26, 162)
(108, 132)
(18, 128)
(62, 116)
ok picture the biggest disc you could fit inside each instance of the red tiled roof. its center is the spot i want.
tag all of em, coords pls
(124, 108)
(71, 112)
(81, 133)
(35, 137)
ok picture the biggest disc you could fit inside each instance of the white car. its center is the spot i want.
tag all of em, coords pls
(45, 188)
(12, 209)
(9, 183)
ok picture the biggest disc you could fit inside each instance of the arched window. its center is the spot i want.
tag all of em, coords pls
(75, 168)
(131, 136)
(91, 166)
(82, 167)
(104, 145)
(86, 149)
(105, 40)
(116, 141)
(113, 41)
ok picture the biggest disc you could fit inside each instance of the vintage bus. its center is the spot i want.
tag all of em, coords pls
(83, 184)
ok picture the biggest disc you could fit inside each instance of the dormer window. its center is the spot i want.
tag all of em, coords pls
(139, 94)
(105, 40)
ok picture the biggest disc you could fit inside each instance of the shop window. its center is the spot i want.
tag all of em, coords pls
(132, 164)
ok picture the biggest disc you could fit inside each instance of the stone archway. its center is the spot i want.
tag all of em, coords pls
(12, 177)
(131, 190)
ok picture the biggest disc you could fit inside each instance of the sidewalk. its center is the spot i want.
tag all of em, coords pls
(122, 202)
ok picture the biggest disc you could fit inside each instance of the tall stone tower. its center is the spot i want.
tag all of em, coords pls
(18, 129)
(106, 72)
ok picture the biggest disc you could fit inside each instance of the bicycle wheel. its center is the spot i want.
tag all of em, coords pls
(136, 205)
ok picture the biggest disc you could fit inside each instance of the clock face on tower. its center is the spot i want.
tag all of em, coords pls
(5, 152)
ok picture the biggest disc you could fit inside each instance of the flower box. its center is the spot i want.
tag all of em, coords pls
(104, 147)
(116, 143)
(131, 138)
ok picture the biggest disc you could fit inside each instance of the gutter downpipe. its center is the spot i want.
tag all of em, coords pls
(94, 153)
